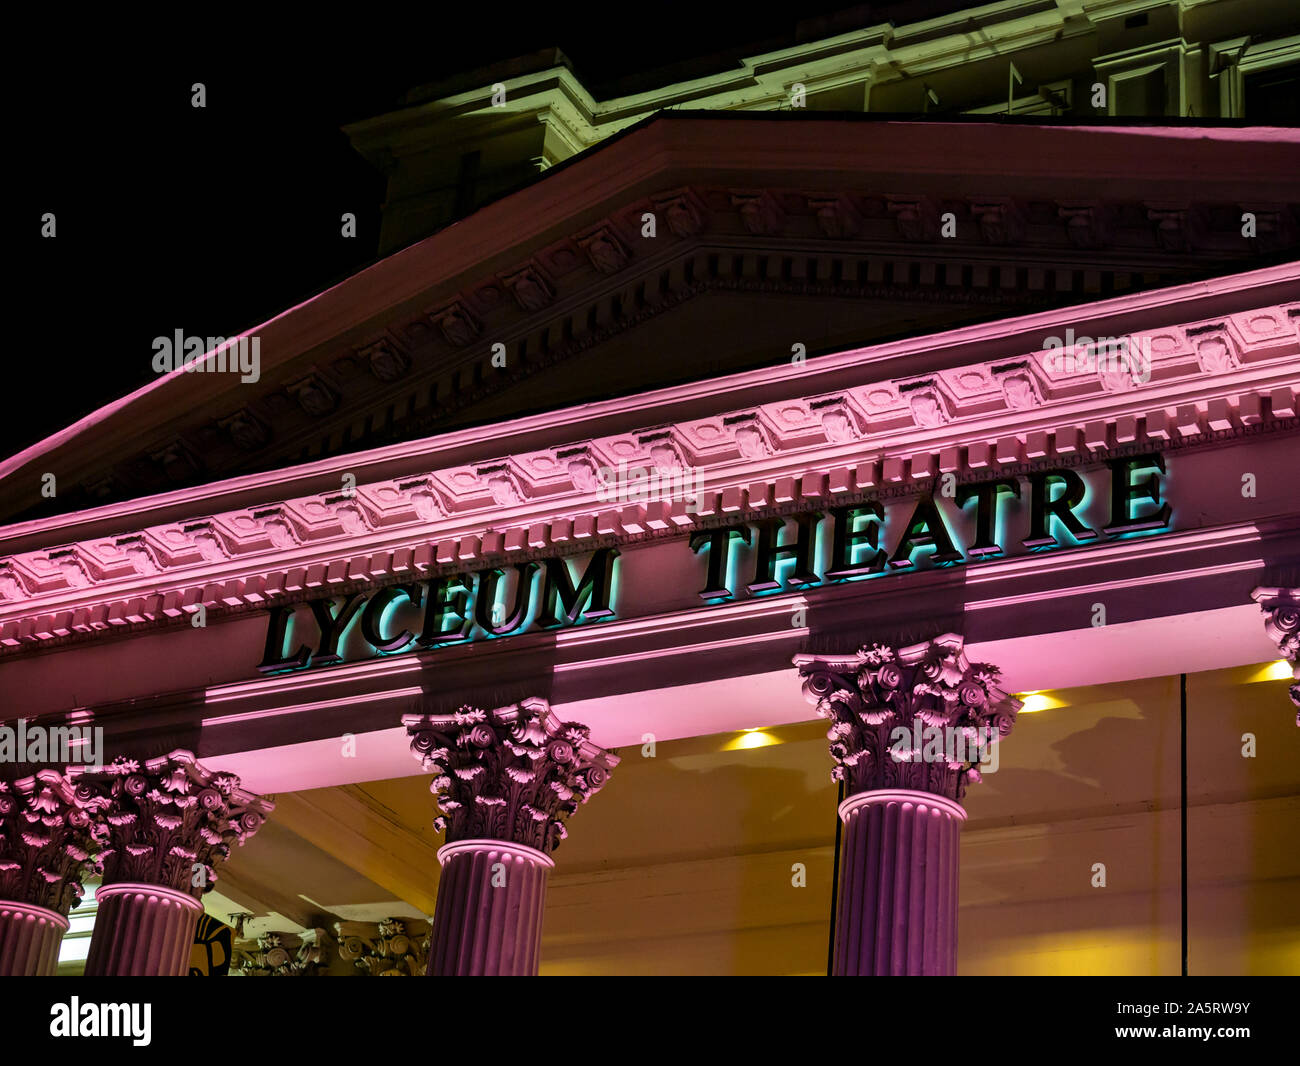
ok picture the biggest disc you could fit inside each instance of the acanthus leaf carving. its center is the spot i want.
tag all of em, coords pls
(515, 773)
(314, 396)
(916, 216)
(52, 835)
(681, 212)
(247, 431)
(836, 216)
(169, 820)
(1001, 220)
(870, 696)
(604, 250)
(1281, 607)
(282, 955)
(394, 947)
(530, 290)
(458, 326)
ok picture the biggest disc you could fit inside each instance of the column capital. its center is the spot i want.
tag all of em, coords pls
(276, 954)
(51, 835)
(170, 820)
(513, 774)
(1281, 607)
(395, 947)
(917, 717)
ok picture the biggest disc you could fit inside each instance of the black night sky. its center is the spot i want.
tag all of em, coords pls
(213, 220)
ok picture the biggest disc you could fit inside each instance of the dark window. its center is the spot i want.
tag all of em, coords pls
(466, 181)
(1273, 96)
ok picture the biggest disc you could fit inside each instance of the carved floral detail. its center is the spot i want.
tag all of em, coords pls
(681, 214)
(142, 560)
(927, 408)
(457, 325)
(1088, 225)
(280, 532)
(1001, 221)
(838, 425)
(869, 695)
(759, 212)
(391, 948)
(169, 820)
(836, 217)
(917, 217)
(604, 250)
(1215, 354)
(584, 475)
(426, 504)
(177, 462)
(530, 290)
(1170, 228)
(247, 431)
(315, 397)
(749, 439)
(1019, 391)
(51, 836)
(1115, 377)
(11, 586)
(515, 773)
(351, 519)
(1281, 607)
(387, 363)
(71, 569)
(281, 955)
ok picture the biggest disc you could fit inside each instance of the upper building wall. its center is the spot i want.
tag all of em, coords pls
(464, 142)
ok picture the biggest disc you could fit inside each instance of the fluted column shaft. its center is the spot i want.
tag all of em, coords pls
(488, 919)
(142, 931)
(29, 939)
(897, 901)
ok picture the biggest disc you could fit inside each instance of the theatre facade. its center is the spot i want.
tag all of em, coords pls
(843, 514)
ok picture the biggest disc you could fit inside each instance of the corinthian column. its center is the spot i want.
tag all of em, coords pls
(908, 727)
(1281, 609)
(170, 823)
(49, 840)
(506, 781)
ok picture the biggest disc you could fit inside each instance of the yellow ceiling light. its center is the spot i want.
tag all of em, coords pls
(1038, 701)
(1280, 670)
(750, 738)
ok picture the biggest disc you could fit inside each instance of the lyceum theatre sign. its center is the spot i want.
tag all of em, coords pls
(809, 548)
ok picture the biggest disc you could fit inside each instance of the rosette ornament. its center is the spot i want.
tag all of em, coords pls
(513, 774)
(169, 821)
(51, 839)
(918, 717)
(1281, 607)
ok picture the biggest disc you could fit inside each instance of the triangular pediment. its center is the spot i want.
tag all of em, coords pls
(770, 238)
